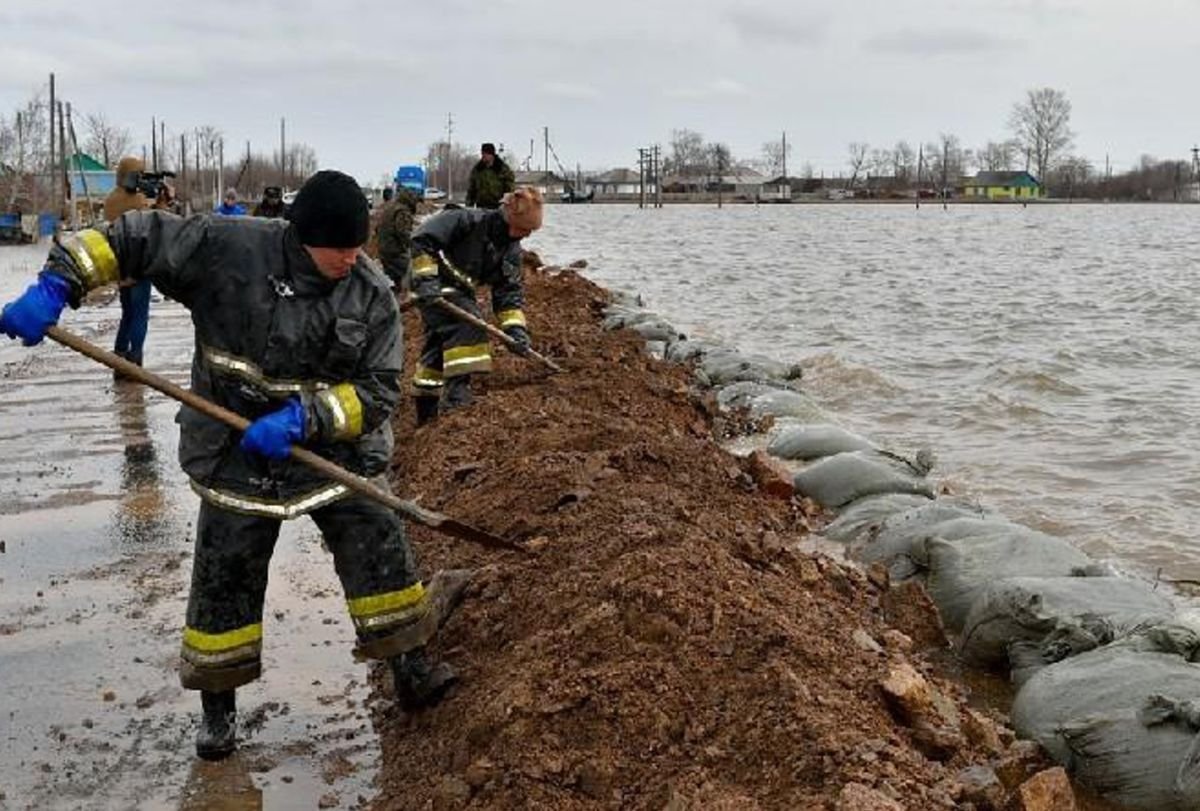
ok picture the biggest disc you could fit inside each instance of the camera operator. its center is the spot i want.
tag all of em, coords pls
(135, 295)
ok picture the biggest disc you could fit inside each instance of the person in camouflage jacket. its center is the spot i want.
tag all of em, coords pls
(490, 179)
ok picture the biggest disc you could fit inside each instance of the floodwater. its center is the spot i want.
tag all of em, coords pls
(96, 522)
(1049, 354)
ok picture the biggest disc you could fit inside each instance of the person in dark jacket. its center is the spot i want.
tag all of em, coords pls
(296, 332)
(271, 204)
(393, 233)
(134, 295)
(490, 179)
(454, 252)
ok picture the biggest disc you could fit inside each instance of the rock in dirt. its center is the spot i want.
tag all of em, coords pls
(1049, 790)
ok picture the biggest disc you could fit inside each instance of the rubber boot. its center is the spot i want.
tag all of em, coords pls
(419, 683)
(457, 393)
(427, 409)
(217, 737)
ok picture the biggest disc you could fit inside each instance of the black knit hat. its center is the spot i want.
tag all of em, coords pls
(488, 149)
(330, 211)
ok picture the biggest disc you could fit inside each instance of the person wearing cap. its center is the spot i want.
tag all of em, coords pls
(490, 179)
(134, 295)
(296, 332)
(455, 252)
(230, 207)
(271, 204)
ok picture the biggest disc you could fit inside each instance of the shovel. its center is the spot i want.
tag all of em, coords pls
(462, 315)
(429, 518)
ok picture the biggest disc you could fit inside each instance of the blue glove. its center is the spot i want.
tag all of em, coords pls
(273, 435)
(38, 309)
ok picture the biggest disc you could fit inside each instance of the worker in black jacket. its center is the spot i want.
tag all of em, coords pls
(453, 253)
(298, 334)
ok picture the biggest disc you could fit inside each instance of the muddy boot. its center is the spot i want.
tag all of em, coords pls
(427, 409)
(419, 683)
(216, 739)
(457, 393)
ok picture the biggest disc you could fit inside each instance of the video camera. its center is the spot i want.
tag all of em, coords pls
(150, 184)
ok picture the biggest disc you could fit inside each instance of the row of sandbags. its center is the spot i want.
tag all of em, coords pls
(1108, 672)
(1106, 669)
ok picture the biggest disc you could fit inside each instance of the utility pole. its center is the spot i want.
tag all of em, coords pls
(920, 165)
(53, 184)
(784, 152)
(185, 201)
(449, 157)
(153, 145)
(657, 176)
(545, 150)
(282, 152)
(220, 173)
(62, 178)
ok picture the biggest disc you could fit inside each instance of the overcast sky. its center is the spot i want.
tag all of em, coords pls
(369, 83)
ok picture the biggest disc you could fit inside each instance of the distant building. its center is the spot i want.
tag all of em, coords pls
(618, 182)
(548, 183)
(1002, 186)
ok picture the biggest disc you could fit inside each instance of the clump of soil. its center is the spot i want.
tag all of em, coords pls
(662, 646)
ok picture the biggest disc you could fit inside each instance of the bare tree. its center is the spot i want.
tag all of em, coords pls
(858, 158)
(105, 140)
(775, 155)
(904, 161)
(997, 156)
(689, 154)
(1042, 126)
(880, 162)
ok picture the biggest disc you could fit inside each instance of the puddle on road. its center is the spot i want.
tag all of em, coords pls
(96, 521)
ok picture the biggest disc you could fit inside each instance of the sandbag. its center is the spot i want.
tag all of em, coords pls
(815, 442)
(1072, 614)
(656, 329)
(864, 516)
(1145, 759)
(899, 542)
(959, 570)
(685, 350)
(1100, 715)
(721, 366)
(844, 477)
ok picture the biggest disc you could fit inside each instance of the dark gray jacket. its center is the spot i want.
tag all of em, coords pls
(462, 248)
(269, 326)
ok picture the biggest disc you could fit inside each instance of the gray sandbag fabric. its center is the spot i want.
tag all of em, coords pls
(1071, 614)
(863, 517)
(1119, 718)
(844, 477)
(959, 570)
(815, 442)
(900, 541)
(656, 329)
(719, 366)
(1144, 759)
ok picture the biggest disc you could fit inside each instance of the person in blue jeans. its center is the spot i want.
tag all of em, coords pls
(135, 321)
(135, 296)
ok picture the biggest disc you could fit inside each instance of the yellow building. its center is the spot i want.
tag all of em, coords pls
(1002, 186)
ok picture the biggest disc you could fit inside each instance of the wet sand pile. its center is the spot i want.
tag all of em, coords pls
(665, 644)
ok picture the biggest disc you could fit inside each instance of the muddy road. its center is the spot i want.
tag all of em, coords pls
(96, 524)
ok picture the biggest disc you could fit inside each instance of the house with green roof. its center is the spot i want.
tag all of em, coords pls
(1002, 186)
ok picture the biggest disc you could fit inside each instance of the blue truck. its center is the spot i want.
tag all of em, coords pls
(411, 177)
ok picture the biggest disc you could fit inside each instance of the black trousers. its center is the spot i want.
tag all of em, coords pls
(452, 347)
(222, 641)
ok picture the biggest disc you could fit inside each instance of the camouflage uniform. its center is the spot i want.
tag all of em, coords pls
(489, 183)
(393, 234)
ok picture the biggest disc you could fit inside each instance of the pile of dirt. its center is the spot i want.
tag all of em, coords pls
(664, 645)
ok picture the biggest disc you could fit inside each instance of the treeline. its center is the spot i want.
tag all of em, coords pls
(201, 157)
